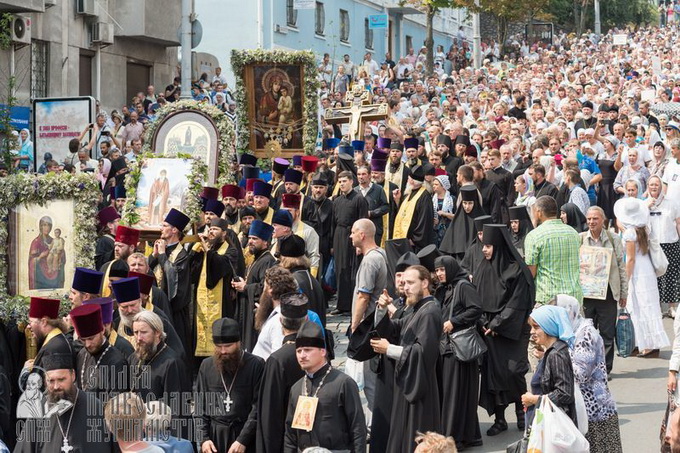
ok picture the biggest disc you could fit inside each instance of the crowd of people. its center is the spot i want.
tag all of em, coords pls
(450, 234)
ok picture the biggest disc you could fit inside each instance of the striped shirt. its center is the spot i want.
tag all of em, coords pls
(553, 248)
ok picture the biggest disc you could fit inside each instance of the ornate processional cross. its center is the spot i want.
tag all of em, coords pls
(357, 112)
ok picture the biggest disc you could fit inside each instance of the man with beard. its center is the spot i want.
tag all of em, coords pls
(291, 202)
(396, 171)
(250, 288)
(588, 120)
(348, 207)
(117, 341)
(129, 302)
(157, 372)
(213, 210)
(262, 193)
(87, 284)
(541, 185)
(336, 421)
(323, 212)
(125, 244)
(378, 165)
(281, 371)
(230, 196)
(48, 330)
(213, 269)
(277, 282)
(247, 215)
(292, 184)
(415, 219)
(450, 159)
(416, 404)
(76, 420)
(100, 368)
(229, 385)
(491, 194)
(107, 220)
(152, 296)
(376, 199)
(170, 264)
(120, 197)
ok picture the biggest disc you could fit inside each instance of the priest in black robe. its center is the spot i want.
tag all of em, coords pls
(338, 422)
(292, 183)
(281, 371)
(396, 172)
(473, 255)
(378, 165)
(100, 368)
(451, 160)
(152, 296)
(506, 288)
(250, 288)
(416, 404)
(491, 193)
(503, 180)
(415, 219)
(348, 207)
(125, 244)
(78, 429)
(170, 263)
(228, 386)
(117, 341)
(461, 231)
(461, 309)
(323, 211)
(107, 220)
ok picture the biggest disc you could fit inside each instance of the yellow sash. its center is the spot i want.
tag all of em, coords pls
(158, 271)
(275, 188)
(113, 336)
(405, 215)
(53, 333)
(121, 332)
(106, 288)
(208, 308)
(395, 177)
(268, 217)
(386, 217)
(149, 302)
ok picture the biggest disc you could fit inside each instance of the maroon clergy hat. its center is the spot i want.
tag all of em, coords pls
(41, 307)
(87, 320)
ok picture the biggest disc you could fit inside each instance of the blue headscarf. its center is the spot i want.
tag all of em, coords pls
(555, 322)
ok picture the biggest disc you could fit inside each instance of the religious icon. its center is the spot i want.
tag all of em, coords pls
(305, 412)
(163, 185)
(32, 401)
(42, 239)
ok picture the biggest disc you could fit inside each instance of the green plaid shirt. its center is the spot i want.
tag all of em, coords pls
(553, 248)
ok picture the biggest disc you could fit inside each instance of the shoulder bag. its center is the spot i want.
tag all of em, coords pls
(657, 256)
(466, 344)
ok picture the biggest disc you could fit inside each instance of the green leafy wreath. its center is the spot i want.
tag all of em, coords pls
(241, 58)
(197, 177)
(25, 188)
(226, 142)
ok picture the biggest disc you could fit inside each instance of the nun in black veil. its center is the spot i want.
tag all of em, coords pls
(520, 225)
(506, 288)
(572, 216)
(473, 255)
(461, 231)
(461, 308)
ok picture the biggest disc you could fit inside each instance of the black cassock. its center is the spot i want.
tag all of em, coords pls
(162, 377)
(104, 374)
(416, 404)
(251, 295)
(323, 210)
(239, 423)
(461, 231)
(120, 343)
(473, 256)
(58, 344)
(160, 299)
(103, 250)
(491, 199)
(347, 209)
(506, 183)
(312, 289)
(421, 230)
(172, 338)
(339, 423)
(176, 284)
(86, 432)
(281, 371)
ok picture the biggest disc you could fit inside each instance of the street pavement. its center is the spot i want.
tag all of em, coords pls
(638, 386)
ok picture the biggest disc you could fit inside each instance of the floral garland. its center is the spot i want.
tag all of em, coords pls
(24, 188)
(241, 58)
(197, 177)
(225, 130)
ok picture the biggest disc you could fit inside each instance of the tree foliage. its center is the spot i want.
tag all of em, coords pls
(575, 16)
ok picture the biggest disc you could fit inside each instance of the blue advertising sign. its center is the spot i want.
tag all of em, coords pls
(19, 116)
(376, 21)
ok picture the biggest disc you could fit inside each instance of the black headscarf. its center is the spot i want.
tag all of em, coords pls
(497, 278)
(520, 213)
(461, 231)
(454, 273)
(575, 217)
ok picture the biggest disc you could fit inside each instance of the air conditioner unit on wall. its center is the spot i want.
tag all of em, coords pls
(281, 29)
(85, 8)
(21, 30)
(50, 3)
(102, 33)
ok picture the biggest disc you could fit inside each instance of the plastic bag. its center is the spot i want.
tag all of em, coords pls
(625, 334)
(355, 370)
(328, 280)
(581, 413)
(554, 432)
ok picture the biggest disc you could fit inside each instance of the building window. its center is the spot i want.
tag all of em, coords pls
(320, 18)
(368, 35)
(409, 43)
(344, 26)
(39, 65)
(291, 13)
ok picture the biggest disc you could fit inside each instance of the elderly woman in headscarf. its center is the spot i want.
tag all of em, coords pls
(554, 376)
(590, 372)
(635, 169)
(506, 288)
(461, 231)
(442, 201)
(461, 309)
(520, 225)
(572, 216)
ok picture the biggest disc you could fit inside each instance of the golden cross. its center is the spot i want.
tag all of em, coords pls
(359, 111)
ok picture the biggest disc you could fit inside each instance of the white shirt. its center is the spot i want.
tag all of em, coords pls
(270, 339)
(671, 178)
(662, 221)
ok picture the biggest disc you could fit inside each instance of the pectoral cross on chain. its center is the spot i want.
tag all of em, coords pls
(228, 402)
(65, 447)
(360, 111)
